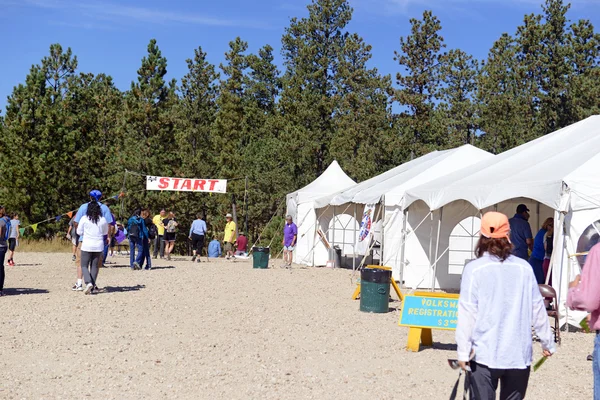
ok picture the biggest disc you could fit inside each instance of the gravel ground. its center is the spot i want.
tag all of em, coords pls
(222, 330)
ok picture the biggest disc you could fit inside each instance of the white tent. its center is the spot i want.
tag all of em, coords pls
(300, 205)
(555, 175)
(387, 190)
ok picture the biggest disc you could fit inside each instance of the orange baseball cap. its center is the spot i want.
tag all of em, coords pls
(495, 225)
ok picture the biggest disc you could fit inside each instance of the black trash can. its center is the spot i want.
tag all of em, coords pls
(375, 290)
(260, 257)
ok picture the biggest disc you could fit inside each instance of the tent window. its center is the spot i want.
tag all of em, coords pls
(462, 243)
(587, 240)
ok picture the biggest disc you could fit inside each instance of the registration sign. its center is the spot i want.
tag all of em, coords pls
(433, 311)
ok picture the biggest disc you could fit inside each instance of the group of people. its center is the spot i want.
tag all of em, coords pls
(537, 251)
(95, 222)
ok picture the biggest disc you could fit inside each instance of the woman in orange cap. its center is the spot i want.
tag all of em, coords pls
(499, 303)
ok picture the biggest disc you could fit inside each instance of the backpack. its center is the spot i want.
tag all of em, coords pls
(152, 231)
(7, 233)
(172, 226)
(134, 229)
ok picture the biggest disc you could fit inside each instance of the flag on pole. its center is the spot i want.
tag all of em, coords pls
(70, 214)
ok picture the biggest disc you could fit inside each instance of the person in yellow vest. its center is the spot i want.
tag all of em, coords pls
(159, 241)
(229, 236)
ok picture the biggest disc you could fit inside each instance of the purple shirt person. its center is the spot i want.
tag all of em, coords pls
(290, 235)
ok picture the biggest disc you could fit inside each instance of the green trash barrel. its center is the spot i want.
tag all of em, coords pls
(375, 290)
(260, 257)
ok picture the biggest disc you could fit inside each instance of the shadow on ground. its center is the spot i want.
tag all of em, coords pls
(19, 291)
(120, 289)
(27, 265)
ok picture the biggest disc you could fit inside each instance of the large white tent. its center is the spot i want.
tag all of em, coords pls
(555, 175)
(300, 205)
(338, 212)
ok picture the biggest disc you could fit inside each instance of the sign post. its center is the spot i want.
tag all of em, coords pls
(424, 311)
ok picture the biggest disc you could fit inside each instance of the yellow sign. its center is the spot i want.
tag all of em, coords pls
(424, 311)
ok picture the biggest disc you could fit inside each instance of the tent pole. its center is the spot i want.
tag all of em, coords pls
(437, 247)
(333, 239)
(354, 244)
(430, 238)
(381, 204)
(403, 238)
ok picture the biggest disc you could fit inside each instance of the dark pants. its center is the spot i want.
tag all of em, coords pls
(90, 262)
(538, 269)
(484, 382)
(2, 255)
(146, 254)
(105, 254)
(135, 243)
(198, 243)
(159, 242)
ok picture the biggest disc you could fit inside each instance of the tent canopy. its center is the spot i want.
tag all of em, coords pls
(332, 180)
(393, 183)
(535, 170)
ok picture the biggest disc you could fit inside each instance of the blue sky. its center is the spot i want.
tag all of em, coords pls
(112, 36)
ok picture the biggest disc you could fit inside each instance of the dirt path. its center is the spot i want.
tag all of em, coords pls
(222, 330)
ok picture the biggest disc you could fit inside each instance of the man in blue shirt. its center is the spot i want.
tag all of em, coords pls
(214, 249)
(197, 234)
(95, 195)
(520, 233)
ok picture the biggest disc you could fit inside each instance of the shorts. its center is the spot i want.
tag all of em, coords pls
(12, 244)
(170, 236)
(228, 246)
(75, 240)
(289, 248)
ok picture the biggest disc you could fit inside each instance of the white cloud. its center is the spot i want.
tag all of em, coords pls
(118, 13)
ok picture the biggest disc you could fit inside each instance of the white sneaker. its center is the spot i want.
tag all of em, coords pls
(77, 288)
(88, 288)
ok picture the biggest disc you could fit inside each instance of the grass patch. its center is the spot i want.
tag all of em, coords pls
(54, 245)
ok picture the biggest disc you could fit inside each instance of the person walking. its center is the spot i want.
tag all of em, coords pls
(152, 233)
(13, 238)
(539, 250)
(159, 242)
(4, 234)
(499, 303)
(197, 235)
(584, 295)
(229, 236)
(95, 229)
(73, 237)
(290, 235)
(170, 225)
(520, 233)
(95, 196)
(136, 230)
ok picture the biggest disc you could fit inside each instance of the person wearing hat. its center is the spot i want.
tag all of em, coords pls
(520, 233)
(499, 303)
(95, 196)
(229, 236)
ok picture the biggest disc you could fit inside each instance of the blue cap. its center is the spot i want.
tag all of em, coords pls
(96, 194)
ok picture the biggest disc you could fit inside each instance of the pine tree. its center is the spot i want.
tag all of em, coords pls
(148, 127)
(363, 136)
(310, 47)
(420, 56)
(459, 72)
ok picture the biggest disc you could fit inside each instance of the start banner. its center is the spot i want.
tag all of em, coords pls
(186, 184)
